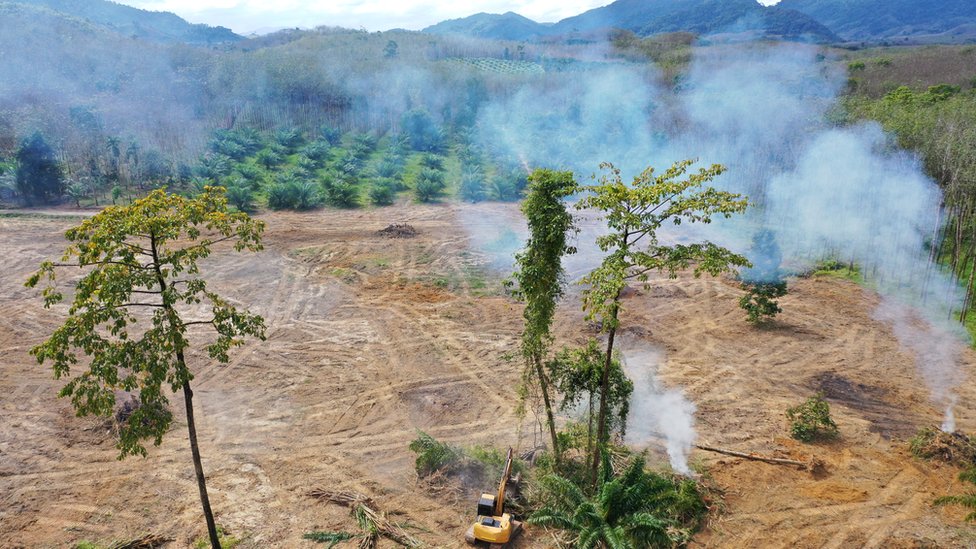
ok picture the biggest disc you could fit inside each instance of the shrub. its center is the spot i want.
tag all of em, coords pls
(289, 139)
(269, 159)
(391, 167)
(341, 192)
(430, 185)
(422, 131)
(293, 195)
(811, 420)
(316, 150)
(432, 161)
(332, 135)
(382, 193)
(433, 456)
(759, 302)
(241, 197)
(214, 166)
(473, 186)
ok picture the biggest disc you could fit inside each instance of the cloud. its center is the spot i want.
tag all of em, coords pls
(244, 16)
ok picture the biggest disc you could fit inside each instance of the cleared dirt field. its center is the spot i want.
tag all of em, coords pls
(371, 338)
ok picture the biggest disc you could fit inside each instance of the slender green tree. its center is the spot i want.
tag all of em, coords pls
(540, 274)
(140, 264)
(633, 214)
(40, 177)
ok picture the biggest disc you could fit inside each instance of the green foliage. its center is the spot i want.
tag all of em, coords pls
(635, 509)
(429, 185)
(214, 166)
(472, 186)
(341, 192)
(76, 191)
(316, 150)
(40, 177)
(578, 375)
(433, 456)
(811, 420)
(332, 538)
(291, 194)
(289, 139)
(421, 131)
(759, 301)
(539, 273)
(856, 66)
(636, 211)
(137, 259)
(382, 193)
(331, 134)
(392, 50)
(241, 197)
(226, 540)
(269, 159)
(633, 214)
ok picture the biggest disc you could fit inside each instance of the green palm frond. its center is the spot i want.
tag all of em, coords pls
(552, 518)
(563, 493)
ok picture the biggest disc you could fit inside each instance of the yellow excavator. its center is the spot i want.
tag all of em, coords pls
(494, 525)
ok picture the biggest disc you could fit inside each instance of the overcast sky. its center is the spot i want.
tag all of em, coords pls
(245, 16)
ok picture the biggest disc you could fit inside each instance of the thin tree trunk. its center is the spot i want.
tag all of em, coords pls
(188, 400)
(601, 427)
(197, 463)
(544, 386)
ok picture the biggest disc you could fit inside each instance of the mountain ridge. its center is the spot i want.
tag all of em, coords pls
(156, 26)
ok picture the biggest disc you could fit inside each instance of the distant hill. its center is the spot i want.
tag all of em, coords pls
(646, 17)
(507, 26)
(711, 16)
(148, 25)
(872, 20)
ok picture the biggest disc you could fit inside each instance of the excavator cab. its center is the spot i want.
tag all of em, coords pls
(493, 525)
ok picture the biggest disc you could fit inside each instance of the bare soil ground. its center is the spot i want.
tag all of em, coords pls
(371, 338)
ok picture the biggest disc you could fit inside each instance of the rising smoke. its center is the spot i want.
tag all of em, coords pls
(821, 190)
(657, 413)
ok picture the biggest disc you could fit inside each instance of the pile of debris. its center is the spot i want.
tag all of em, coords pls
(398, 230)
(956, 448)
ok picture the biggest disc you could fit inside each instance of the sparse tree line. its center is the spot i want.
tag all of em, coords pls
(939, 124)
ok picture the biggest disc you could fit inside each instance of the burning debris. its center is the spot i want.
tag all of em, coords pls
(955, 448)
(398, 230)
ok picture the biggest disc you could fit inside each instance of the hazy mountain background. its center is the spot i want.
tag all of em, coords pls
(822, 21)
(128, 21)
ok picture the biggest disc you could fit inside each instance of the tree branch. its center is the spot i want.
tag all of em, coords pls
(191, 323)
(97, 263)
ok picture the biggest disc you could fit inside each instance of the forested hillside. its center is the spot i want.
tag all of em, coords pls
(147, 25)
(893, 20)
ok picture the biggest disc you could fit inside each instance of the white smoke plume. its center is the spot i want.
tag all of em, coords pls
(658, 413)
(821, 190)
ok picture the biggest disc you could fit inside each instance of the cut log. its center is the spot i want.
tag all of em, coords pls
(754, 457)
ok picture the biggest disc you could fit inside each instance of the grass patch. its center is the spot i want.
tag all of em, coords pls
(836, 269)
(227, 541)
